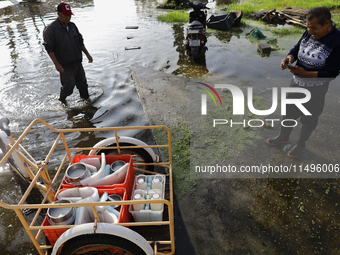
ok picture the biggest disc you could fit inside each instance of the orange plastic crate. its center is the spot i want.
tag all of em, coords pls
(129, 179)
(124, 215)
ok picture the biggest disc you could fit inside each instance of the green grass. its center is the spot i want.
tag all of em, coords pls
(336, 18)
(180, 142)
(174, 16)
(287, 31)
(250, 6)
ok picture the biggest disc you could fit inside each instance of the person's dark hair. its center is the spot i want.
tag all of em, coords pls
(321, 13)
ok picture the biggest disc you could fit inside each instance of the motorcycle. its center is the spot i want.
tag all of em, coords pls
(196, 31)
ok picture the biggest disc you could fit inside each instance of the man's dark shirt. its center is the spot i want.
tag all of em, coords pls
(65, 43)
(320, 55)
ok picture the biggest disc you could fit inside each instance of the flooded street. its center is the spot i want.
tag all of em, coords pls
(29, 89)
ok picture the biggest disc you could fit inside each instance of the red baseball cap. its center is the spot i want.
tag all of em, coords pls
(65, 9)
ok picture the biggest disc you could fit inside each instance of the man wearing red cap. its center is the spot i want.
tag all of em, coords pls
(64, 44)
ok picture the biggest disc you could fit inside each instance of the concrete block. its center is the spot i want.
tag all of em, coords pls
(264, 47)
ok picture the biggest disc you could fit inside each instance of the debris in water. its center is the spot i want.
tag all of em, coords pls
(132, 48)
(290, 15)
(256, 33)
(131, 27)
(264, 47)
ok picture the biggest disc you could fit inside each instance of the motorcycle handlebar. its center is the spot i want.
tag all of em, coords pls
(190, 4)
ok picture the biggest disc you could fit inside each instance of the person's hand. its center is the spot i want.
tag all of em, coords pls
(298, 71)
(287, 60)
(89, 57)
(59, 68)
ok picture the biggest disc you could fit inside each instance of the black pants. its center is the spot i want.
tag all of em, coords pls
(315, 106)
(71, 77)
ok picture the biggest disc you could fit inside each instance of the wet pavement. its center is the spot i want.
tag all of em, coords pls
(245, 215)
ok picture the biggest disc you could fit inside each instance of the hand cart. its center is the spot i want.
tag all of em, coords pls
(125, 237)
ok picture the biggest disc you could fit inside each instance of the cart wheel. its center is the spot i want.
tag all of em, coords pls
(100, 244)
(139, 154)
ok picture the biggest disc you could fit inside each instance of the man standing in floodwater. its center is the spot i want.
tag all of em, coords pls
(318, 62)
(64, 44)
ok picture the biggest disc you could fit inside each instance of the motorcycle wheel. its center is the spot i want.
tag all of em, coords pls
(100, 244)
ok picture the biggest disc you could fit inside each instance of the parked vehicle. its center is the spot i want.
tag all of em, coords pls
(226, 21)
(196, 31)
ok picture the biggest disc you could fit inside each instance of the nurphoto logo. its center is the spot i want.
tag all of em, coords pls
(239, 99)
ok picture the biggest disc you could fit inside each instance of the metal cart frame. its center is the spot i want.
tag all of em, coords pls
(40, 171)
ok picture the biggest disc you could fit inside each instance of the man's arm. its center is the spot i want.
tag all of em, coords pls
(89, 57)
(49, 44)
(58, 66)
(81, 42)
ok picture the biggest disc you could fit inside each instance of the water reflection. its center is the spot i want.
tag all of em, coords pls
(144, 7)
(225, 36)
(81, 117)
(186, 65)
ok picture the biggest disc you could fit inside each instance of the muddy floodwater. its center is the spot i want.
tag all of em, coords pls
(253, 216)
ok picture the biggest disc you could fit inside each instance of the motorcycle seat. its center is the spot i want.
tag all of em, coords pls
(196, 25)
(198, 17)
